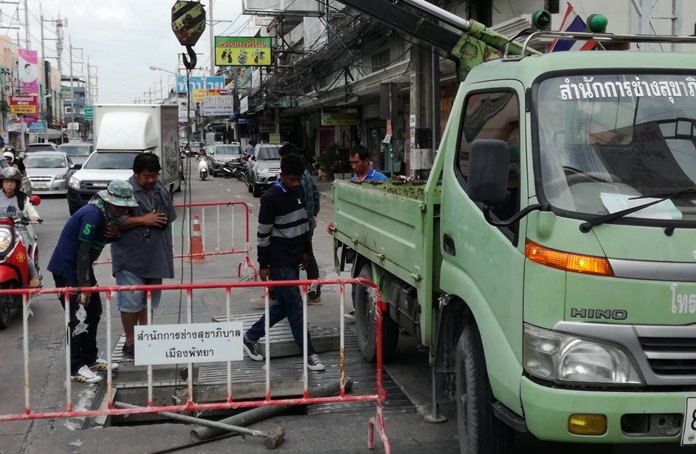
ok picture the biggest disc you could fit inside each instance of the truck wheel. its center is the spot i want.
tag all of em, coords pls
(479, 430)
(256, 190)
(364, 302)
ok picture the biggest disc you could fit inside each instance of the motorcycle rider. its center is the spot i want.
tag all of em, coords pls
(204, 158)
(15, 204)
(10, 156)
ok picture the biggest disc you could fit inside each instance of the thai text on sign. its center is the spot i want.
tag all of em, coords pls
(192, 343)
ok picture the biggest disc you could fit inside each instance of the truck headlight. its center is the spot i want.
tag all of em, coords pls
(74, 183)
(566, 358)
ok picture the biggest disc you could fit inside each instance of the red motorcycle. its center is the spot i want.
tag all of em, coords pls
(14, 271)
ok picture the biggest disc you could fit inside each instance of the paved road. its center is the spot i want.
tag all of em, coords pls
(338, 432)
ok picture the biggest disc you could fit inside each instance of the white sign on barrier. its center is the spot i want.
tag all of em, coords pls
(193, 343)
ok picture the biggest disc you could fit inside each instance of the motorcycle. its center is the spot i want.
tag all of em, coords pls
(14, 271)
(203, 168)
(243, 169)
(227, 169)
(234, 169)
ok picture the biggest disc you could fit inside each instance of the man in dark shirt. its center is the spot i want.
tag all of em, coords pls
(284, 243)
(82, 240)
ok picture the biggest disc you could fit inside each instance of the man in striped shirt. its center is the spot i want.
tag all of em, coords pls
(284, 245)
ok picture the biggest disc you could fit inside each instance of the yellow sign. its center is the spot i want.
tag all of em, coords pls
(274, 137)
(242, 51)
(198, 95)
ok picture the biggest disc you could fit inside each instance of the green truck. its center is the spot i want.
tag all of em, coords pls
(549, 262)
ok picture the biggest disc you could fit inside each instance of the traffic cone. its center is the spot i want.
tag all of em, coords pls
(196, 252)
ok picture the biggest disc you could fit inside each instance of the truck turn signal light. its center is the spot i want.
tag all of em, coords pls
(567, 261)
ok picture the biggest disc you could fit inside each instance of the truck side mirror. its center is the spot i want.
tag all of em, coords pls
(489, 165)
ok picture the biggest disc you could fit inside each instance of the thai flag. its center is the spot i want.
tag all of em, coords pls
(572, 23)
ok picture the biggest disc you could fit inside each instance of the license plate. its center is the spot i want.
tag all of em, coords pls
(40, 186)
(689, 429)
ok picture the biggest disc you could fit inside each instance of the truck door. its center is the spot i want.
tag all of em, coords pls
(483, 264)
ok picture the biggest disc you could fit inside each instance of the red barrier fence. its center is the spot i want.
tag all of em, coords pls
(378, 396)
(217, 219)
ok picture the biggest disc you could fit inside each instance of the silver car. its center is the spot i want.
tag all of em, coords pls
(78, 151)
(222, 153)
(265, 168)
(49, 171)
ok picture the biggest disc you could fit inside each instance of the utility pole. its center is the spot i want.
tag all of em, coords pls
(72, 91)
(26, 26)
(212, 41)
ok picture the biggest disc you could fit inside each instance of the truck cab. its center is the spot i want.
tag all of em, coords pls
(549, 263)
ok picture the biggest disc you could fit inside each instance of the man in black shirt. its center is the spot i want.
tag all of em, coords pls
(284, 244)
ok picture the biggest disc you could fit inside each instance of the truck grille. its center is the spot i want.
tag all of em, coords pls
(670, 355)
(94, 185)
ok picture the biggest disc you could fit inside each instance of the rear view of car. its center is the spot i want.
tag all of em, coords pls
(49, 171)
(44, 146)
(78, 151)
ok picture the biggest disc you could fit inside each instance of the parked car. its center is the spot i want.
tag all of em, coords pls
(222, 153)
(49, 171)
(78, 151)
(264, 168)
(43, 146)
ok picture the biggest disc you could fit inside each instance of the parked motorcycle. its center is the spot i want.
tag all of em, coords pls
(14, 272)
(228, 170)
(234, 169)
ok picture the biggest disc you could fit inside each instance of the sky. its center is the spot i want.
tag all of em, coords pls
(123, 39)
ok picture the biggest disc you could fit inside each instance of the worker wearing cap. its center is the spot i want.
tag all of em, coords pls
(80, 244)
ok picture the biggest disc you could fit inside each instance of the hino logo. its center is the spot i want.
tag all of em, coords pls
(599, 314)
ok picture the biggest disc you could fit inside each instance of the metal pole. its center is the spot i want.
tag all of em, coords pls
(43, 77)
(72, 88)
(26, 25)
(212, 40)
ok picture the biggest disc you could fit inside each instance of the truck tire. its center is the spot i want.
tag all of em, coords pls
(257, 190)
(479, 430)
(366, 324)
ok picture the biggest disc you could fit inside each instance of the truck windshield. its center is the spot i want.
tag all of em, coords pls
(122, 160)
(609, 142)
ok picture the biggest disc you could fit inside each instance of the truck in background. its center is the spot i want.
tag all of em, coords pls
(548, 263)
(121, 132)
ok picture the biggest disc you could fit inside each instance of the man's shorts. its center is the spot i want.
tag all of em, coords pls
(132, 302)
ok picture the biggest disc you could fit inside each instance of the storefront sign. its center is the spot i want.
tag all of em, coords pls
(200, 83)
(24, 104)
(215, 106)
(242, 51)
(342, 117)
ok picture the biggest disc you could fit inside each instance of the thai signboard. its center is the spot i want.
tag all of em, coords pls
(188, 343)
(242, 51)
(198, 95)
(340, 117)
(24, 104)
(218, 106)
(282, 7)
(199, 83)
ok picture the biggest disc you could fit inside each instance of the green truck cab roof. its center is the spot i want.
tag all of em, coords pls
(528, 69)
